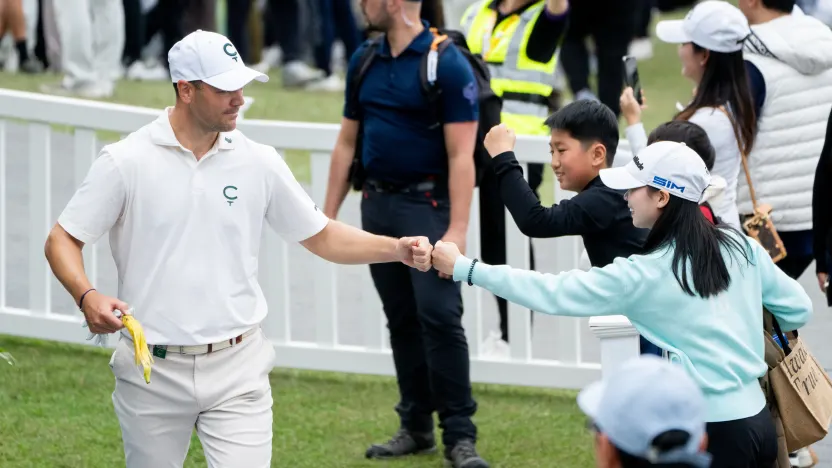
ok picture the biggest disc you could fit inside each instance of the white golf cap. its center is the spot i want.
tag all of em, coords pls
(665, 165)
(713, 24)
(643, 398)
(211, 58)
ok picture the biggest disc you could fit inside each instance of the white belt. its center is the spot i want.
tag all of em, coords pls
(206, 348)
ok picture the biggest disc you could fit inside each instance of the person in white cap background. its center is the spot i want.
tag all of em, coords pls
(697, 292)
(710, 40)
(647, 412)
(792, 55)
(185, 199)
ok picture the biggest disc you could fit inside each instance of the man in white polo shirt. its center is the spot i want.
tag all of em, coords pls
(185, 199)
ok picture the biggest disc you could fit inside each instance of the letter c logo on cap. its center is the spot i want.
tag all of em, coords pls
(232, 52)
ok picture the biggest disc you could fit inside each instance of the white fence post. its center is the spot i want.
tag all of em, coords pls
(619, 340)
(40, 194)
(326, 291)
(273, 279)
(3, 185)
(85, 154)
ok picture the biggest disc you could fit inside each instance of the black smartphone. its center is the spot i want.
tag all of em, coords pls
(630, 69)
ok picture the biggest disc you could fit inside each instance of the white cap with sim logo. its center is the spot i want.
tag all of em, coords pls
(211, 58)
(665, 165)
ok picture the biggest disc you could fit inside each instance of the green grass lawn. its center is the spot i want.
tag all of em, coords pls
(57, 412)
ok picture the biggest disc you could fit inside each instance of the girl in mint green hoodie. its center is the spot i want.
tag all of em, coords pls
(698, 292)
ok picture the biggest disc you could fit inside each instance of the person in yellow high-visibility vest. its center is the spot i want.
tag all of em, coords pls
(518, 39)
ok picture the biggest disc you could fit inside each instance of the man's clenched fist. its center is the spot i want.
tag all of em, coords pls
(415, 252)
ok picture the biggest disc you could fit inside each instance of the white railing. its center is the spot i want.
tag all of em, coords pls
(328, 327)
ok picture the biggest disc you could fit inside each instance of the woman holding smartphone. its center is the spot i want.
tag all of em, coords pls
(710, 42)
(697, 291)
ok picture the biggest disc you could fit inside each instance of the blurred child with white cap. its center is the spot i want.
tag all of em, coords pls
(648, 412)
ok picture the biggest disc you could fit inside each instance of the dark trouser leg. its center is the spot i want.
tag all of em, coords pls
(611, 45)
(167, 17)
(575, 59)
(269, 28)
(152, 23)
(393, 283)
(200, 14)
(799, 256)
(133, 31)
(437, 337)
(173, 14)
(40, 44)
(646, 347)
(237, 16)
(439, 308)
(286, 16)
(574, 54)
(643, 16)
(323, 49)
(794, 266)
(346, 27)
(743, 443)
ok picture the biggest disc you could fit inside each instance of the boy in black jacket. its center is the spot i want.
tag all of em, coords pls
(584, 138)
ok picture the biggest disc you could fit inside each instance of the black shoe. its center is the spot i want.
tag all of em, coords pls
(464, 455)
(402, 444)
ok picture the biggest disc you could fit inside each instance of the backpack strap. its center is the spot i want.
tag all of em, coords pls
(364, 63)
(428, 74)
(356, 174)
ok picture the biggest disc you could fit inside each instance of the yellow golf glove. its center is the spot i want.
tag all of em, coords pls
(143, 355)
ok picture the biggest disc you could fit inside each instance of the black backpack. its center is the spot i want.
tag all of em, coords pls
(490, 105)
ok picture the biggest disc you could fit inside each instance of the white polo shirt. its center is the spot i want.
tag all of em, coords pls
(185, 235)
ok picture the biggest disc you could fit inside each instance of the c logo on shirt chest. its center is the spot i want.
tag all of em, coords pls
(228, 193)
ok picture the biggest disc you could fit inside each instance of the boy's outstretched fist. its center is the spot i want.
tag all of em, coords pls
(499, 140)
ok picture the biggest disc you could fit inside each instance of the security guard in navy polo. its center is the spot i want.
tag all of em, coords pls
(420, 180)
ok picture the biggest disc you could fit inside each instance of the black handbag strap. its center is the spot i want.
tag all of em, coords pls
(781, 336)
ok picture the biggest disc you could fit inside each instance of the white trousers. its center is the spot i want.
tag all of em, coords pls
(30, 12)
(92, 39)
(225, 395)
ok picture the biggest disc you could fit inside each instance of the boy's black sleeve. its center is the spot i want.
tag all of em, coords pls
(821, 205)
(585, 213)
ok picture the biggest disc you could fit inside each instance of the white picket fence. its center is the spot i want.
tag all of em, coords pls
(28, 120)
